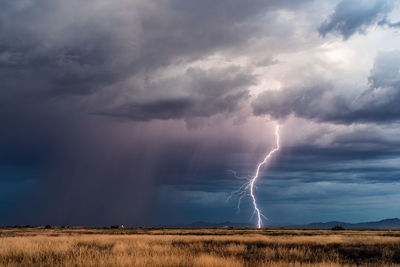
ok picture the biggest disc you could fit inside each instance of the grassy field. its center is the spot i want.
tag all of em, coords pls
(197, 247)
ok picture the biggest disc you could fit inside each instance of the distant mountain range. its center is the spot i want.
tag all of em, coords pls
(383, 224)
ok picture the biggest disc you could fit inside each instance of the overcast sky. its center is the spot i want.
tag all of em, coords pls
(154, 112)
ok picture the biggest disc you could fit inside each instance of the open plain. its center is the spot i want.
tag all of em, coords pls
(197, 247)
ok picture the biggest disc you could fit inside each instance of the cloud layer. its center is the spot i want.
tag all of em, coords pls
(352, 16)
(105, 104)
(378, 103)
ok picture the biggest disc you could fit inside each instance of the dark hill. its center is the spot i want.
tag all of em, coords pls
(383, 224)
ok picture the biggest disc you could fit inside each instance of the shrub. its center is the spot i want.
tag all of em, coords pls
(337, 228)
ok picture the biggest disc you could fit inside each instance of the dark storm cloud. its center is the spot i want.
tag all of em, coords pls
(62, 61)
(355, 16)
(211, 92)
(310, 174)
(146, 67)
(377, 104)
(53, 54)
(67, 49)
(344, 160)
(76, 48)
(342, 164)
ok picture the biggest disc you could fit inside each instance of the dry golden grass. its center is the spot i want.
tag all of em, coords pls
(202, 247)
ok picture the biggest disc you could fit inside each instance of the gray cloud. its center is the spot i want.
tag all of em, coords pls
(198, 93)
(355, 16)
(377, 104)
(78, 49)
(138, 64)
(388, 23)
(62, 61)
(81, 50)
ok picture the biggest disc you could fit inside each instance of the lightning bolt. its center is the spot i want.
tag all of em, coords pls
(251, 182)
(254, 179)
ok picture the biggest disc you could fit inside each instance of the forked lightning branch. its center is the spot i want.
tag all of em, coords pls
(249, 185)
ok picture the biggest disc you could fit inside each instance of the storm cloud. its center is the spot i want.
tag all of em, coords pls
(198, 93)
(378, 103)
(64, 64)
(352, 16)
(119, 112)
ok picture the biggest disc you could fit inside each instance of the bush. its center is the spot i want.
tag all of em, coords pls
(337, 228)
(48, 226)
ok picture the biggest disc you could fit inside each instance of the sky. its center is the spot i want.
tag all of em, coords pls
(140, 112)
